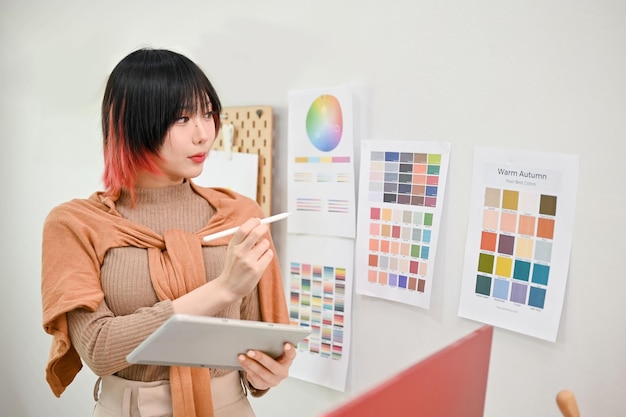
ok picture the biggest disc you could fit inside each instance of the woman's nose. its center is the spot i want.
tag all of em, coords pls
(204, 131)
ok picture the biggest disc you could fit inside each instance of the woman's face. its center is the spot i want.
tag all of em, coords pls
(187, 144)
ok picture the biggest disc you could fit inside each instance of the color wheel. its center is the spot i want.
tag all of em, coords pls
(324, 123)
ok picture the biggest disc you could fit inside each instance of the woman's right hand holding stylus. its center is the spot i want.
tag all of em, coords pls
(248, 255)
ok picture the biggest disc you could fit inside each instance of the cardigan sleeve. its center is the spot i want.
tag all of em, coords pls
(64, 288)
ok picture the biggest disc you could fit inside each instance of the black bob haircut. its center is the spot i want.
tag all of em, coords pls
(146, 93)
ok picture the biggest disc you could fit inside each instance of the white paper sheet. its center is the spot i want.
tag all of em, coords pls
(519, 239)
(321, 186)
(401, 195)
(239, 173)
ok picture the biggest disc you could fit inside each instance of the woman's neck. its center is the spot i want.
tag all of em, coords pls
(149, 180)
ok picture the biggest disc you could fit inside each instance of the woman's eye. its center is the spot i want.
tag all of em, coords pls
(209, 115)
(182, 119)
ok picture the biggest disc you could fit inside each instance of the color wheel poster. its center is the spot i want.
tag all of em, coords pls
(320, 298)
(401, 195)
(519, 240)
(321, 190)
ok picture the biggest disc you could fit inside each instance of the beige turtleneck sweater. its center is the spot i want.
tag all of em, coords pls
(131, 309)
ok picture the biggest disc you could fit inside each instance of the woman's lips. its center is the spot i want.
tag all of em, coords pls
(198, 158)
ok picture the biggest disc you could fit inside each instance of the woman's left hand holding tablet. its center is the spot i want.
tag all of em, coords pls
(262, 371)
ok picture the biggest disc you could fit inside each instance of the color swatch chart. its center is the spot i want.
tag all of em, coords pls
(516, 246)
(401, 195)
(519, 239)
(317, 300)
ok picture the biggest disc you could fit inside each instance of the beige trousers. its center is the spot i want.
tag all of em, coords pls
(120, 397)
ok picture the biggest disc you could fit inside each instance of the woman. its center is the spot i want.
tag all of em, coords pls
(115, 266)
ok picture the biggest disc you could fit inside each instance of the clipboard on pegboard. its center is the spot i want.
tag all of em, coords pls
(253, 134)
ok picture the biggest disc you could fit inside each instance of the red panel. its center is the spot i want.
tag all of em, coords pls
(449, 383)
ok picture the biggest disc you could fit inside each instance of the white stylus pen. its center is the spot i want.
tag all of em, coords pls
(232, 230)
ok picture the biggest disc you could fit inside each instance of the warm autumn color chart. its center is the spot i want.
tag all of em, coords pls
(519, 238)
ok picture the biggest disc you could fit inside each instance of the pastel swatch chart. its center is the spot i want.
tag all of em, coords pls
(320, 298)
(400, 201)
(317, 301)
(519, 240)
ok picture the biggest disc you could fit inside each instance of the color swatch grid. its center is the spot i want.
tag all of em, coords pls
(399, 247)
(516, 246)
(399, 239)
(317, 300)
(406, 178)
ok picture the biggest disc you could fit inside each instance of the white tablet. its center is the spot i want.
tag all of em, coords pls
(212, 342)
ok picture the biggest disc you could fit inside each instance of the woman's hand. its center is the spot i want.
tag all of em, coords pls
(264, 372)
(247, 257)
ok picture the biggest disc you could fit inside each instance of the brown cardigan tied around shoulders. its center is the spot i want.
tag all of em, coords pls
(79, 233)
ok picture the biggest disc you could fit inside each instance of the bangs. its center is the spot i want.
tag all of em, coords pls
(189, 92)
(193, 99)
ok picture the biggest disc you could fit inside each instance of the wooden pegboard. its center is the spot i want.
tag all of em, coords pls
(254, 130)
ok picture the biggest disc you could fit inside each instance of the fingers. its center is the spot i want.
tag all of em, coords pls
(264, 372)
(248, 256)
(250, 232)
(249, 242)
(289, 353)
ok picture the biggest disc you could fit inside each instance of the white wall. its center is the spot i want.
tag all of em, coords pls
(546, 76)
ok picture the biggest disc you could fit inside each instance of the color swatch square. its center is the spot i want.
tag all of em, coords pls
(488, 241)
(483, 285)
(501, 289)
(537, 297)
(518, 293)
